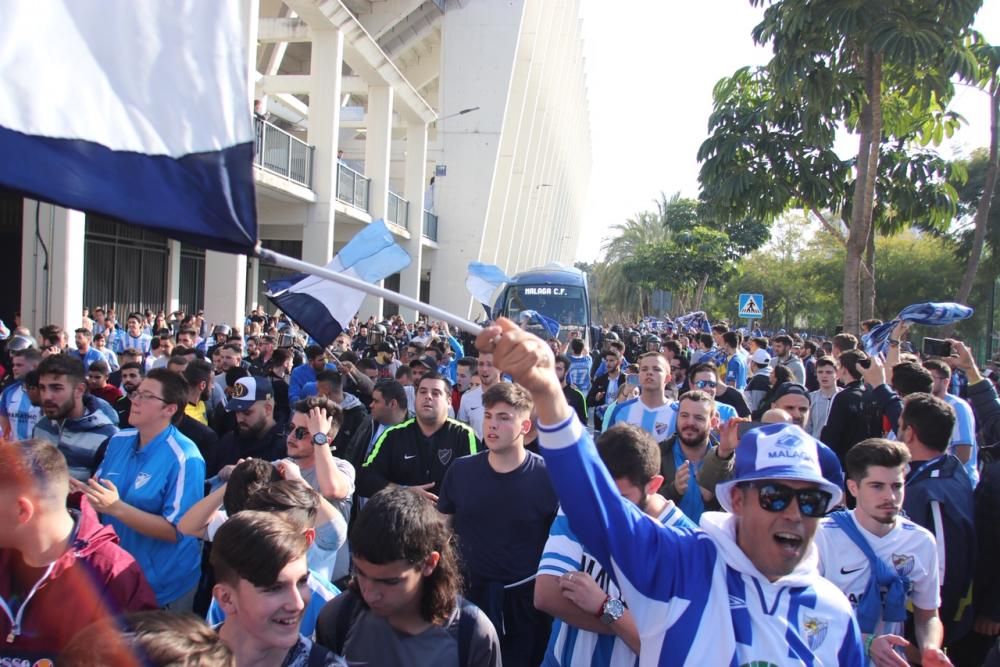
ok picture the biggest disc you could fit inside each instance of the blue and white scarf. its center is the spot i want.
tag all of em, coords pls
(876, 341)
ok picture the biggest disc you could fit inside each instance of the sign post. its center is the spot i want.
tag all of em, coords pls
(751, 307)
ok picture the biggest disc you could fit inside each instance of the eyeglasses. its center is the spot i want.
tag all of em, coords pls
(145, 396)
(775, 497)
(675, 368)
(705, 384)
(300, 432)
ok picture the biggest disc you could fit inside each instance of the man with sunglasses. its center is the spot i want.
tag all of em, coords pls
(745, 590)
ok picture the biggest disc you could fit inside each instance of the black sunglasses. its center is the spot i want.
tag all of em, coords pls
(774, 497)
(300, 432)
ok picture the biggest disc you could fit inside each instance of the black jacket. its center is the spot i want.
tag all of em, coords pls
(354, 418)
(403, 455)
(600, 385)
(854, 416)
(271, 446)
(734, 397)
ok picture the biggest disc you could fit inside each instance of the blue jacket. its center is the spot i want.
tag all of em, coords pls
(80, 439)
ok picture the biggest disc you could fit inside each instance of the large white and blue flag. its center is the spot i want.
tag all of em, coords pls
(324, 308)
(135, 109)
(876, 341)
(483, 281)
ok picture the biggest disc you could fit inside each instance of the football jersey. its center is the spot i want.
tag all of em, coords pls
(659, 422)
(908, 548)
(964, 433)
(15, 405)
(696, 597)
(563, 553)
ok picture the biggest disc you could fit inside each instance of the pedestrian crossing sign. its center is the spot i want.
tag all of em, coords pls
(751, 306)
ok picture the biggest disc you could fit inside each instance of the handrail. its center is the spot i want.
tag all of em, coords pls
(280, 153)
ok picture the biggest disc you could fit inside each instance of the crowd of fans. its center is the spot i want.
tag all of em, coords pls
(175, 491)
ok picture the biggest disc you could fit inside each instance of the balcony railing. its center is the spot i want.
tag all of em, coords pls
(430, 225)
(282, 154)
(397, 210)
(352, 187)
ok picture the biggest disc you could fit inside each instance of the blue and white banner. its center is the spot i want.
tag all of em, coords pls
(876, 341)
(135, 109)
(324, 308)
(483, 280)
(534, 317)
(697, 321)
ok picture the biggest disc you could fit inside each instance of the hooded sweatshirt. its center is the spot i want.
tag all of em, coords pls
(696, 597)
(80, 440)
(94, 578)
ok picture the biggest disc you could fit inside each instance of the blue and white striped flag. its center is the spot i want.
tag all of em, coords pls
(876, 341)
(697, 320)
(324, 308)
(483, 280)
(534, 317)
(136, 109)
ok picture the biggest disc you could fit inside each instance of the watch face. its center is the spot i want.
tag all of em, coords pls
(320, 439)
(613, 610)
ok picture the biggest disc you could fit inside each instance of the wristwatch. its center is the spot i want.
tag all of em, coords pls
(611, 610)
(320, 439)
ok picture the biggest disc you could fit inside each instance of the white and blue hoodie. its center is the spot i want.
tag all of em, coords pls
(696, 597)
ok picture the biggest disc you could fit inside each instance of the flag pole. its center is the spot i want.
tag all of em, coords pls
(287, 262)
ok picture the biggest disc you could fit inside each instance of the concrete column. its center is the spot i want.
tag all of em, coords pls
(253, 282)
(413, 190)
(225, 288)
(324, 122)
(378, 142)
(173, 300)
(52, 291)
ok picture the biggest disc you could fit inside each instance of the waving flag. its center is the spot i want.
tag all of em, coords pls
(534, 317)
(135, 109)
(698, 321)
(324, 308)
(876, 341)
(483, 280)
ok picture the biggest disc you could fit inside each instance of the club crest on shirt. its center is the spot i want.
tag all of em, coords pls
(661, 428)
(903, 564)
(141, 479)
(815, 630)
(444, 456)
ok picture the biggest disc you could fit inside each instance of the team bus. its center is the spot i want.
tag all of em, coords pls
(554, 290)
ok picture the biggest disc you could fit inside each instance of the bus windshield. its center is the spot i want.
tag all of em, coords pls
(566, 305)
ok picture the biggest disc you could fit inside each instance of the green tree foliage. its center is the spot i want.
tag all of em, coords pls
(883, 71)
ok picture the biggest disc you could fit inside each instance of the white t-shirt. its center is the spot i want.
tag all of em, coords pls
(910, 549)
(470, 410)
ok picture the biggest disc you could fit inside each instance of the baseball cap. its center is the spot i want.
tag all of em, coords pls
(247, 391)
(789, 389)
(783, 452)
(427, 361)
(761, 358)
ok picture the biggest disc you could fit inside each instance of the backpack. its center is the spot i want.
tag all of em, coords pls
(351, 608)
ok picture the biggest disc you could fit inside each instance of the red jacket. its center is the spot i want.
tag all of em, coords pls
(93, 579)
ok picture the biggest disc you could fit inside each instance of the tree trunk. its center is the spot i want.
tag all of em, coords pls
(700, 292)
(864, 189)
(868, 279)
(983, 208)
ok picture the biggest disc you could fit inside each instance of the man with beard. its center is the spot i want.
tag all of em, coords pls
(131, 378)
(256, 435)
(419, 451)
(73, 421)
(784, 355)
(882, 560)
(795, 400)
(198, 374)
(682, 456)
